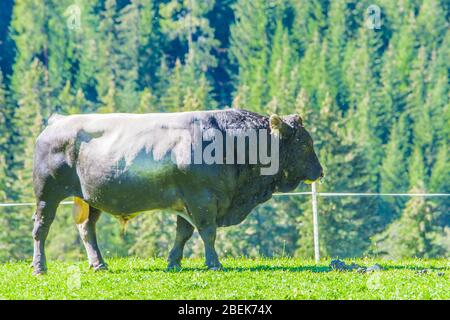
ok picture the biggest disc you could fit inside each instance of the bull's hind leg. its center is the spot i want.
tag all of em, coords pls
(86, 218)
(184, 232)
(43, 218)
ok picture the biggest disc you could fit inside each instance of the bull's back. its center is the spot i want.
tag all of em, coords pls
(124, 163)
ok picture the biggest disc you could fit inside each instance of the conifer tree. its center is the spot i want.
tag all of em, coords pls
(185, 21)
(135, 35)
(107, 77)
(415, 233)
(337, 37)
(282, 74)
(394, 170)
(366, 112)
(346, 223)
(27, 123)
(311, 76)
(309, 22)
(375, 101)
(440, 183)
(432, 23)
(3, 141)
(3, 137)
(249, 48)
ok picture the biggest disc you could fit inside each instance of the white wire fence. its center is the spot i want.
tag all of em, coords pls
(314, 195)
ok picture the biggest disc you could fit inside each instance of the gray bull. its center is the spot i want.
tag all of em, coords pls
(124, 164)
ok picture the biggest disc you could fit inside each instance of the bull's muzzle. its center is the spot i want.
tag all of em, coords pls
(320, 179)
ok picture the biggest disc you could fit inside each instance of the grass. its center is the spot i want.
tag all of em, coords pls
(281, 278)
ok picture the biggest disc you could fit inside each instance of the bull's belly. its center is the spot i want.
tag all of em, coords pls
(124, 195)
(146, 185)
(121, 188)
(130, 201)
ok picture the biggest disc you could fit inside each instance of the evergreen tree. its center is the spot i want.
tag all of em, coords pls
(6, 43)
(107, 60)
(414, 234)
(185, 22)
(147, 102)
(367, 116)
(134, 39)
(263, 233)
(432, 23)
(312, 71)
(3, 137)
(283, 71)
(337, 37)
(309, 22)
(397, 64)
(375, 101)
(4, 248)
(173, 98)
(394, 170)
(154, 235)
(440, 183)
(27, 123)
(249, 49)
(346, 224)
(31, 25)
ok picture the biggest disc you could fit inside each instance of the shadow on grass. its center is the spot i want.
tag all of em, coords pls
(261, 268)
(415, 268)
(269, 268)
(281, 268)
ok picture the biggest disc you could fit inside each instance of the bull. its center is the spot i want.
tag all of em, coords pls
(125, 164)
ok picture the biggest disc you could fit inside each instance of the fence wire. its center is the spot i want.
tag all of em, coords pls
(315, 207)
(319, 194)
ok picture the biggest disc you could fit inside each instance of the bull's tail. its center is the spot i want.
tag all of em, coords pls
(80, 210)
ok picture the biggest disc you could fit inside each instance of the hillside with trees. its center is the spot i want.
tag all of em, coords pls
(376, 101)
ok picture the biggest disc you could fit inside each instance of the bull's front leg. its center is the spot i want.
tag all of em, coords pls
(208, 235)
(184, 232)
(89, 238)
(203, 209)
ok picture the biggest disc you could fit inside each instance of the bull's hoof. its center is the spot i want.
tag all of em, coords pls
(39, 272)
(100, 267)
(216, 268)
(38, 268)
(174, 267)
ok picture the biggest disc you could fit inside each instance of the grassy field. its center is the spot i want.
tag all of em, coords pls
(133, 278)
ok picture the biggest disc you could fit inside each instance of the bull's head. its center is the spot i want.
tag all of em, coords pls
(300, 160)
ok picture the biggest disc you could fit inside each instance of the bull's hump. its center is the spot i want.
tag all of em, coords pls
(129, 124)
(100, 118)
(189, 114)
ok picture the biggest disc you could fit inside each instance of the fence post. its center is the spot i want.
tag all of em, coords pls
(315, 222)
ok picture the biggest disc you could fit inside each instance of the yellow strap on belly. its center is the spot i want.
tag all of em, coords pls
(80, 210)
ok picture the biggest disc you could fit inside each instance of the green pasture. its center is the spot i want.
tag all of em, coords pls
(243, 278)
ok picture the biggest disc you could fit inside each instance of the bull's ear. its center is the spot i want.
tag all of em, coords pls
(299, 120)
(276, 125)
